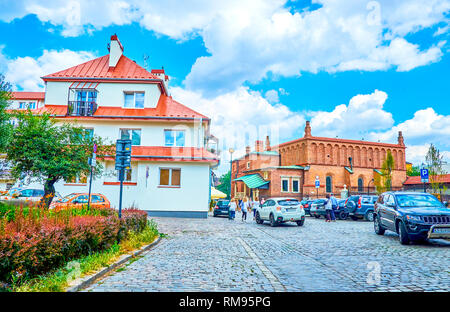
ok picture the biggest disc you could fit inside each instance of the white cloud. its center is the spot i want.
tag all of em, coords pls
(25, 72)
(272, 96)
(249, 40)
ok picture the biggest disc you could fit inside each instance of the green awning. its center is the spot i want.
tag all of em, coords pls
(378, 171)
(252, 180)
(348, 169)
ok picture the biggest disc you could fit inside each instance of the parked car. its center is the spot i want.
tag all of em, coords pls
(341, 211)
(361, 206)
(17, 196)
(306, 203)
(80, 200)
(318, 208)
(222, 207)
(414, 216)
(279, 210)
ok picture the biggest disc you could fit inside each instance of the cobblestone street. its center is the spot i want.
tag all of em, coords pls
(222, 255)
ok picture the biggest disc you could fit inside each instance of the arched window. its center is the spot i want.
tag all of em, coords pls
(360, 185)
(328, 184)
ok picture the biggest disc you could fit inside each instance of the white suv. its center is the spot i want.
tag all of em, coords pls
(279, 210)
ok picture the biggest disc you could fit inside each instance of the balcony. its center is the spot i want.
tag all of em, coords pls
(81, 108)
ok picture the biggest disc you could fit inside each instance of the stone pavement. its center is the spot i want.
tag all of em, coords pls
(217, 254)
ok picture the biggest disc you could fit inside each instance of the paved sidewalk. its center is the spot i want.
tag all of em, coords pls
(217, 254)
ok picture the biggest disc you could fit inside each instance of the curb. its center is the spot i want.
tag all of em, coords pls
(90, 279)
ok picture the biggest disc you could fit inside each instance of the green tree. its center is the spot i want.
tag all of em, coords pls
(5, 126)
(224, 185)
(413, 172)
(383, 182)
(435, 163)
(43, 150)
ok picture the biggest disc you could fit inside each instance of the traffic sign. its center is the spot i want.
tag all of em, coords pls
(317, 183)
(424, 175)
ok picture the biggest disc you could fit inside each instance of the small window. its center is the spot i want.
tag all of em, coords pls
(174, 137)
(285, 185)
(169, 177)
(97, 199)
(32, 105)
(134, 99)
(22, 105)
(360, 185)
(82, 199)
(266, 175)
(248, 165)
(295, 186)
(81, 179)
(131, 134)
(328, 184)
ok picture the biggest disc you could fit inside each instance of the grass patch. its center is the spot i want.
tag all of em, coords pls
(58, 280)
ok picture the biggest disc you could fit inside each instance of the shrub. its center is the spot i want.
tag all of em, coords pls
(34, 241)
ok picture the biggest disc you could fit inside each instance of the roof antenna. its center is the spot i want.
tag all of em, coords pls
(145, 57)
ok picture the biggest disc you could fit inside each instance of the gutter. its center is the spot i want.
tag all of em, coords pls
(134, 117)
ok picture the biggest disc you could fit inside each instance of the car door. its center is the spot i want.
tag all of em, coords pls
(389, 212)
(267, 207)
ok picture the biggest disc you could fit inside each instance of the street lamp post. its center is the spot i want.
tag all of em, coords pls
(368, 184)
(231, 150)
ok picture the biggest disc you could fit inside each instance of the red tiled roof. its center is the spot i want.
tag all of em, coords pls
(167, 107)
(164, 153)
(99, 68)
(445, 178)
(338, 140)
(20, 95)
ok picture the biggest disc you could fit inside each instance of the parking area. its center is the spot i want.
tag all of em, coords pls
(217, 254)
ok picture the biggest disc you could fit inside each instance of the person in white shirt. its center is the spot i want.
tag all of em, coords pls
(232, 210)
(255, 206)
(244, 209)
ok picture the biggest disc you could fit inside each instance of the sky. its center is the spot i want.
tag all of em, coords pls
(356, 69)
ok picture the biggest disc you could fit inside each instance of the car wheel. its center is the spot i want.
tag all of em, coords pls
(402, 234)
(354, 218)
(317, 216)
(272, 221)
(343, 215)
(258, 219)
(369, 216)
(377, 226)
(301, 222)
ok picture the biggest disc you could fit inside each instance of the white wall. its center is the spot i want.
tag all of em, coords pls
(109, 94)
(152, 132)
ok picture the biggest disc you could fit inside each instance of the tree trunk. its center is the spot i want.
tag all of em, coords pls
(49, 192)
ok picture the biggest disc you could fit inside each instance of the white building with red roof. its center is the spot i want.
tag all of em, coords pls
(113, 97)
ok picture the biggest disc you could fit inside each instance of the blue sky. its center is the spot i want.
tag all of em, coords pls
(357, 69)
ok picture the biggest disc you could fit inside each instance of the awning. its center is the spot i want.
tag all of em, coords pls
(378, 171)
(79, 85)
(216, 194)
(253, 181)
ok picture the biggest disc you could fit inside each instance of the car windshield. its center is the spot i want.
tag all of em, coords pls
(66, 198)
(223, 203)
(288, 202)
(417, 201)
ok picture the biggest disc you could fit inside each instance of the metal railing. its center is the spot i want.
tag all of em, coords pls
(81, 108)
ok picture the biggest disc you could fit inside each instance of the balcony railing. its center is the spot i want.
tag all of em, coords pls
(81, 108)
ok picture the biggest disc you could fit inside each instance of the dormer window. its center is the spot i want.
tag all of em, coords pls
(27, 105)
(174, 137)
(134, 100)
(84, 103)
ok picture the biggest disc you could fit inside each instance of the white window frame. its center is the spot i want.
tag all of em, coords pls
(298, 180)
(134, 99)
(248, 165)
(174, 131)
(170, 177)
(284, 179)
(131, 135)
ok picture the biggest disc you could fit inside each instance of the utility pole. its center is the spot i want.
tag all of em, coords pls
(92, 162)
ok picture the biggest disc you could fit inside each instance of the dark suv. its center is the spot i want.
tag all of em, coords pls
(361, 207)
(222, 207)
(414, 216)
(306, 203)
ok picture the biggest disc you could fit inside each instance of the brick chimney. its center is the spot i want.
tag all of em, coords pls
(115, 51)
(307, 129)
(267, 143)
(259, 146)
(247, 150)
(401, 142)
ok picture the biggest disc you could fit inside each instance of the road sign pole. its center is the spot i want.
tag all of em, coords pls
(90, 186)
(120, 194)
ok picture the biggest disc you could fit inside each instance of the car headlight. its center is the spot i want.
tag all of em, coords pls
(413, 218)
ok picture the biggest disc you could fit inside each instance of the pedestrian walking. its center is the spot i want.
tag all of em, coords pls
(334, 206)
(254, 207)
(232, 210)
(244, 209)
(328, 208)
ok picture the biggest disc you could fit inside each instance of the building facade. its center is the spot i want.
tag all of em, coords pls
(338, 164)
(114, 98)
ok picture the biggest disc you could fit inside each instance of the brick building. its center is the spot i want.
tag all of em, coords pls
(291, 168)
